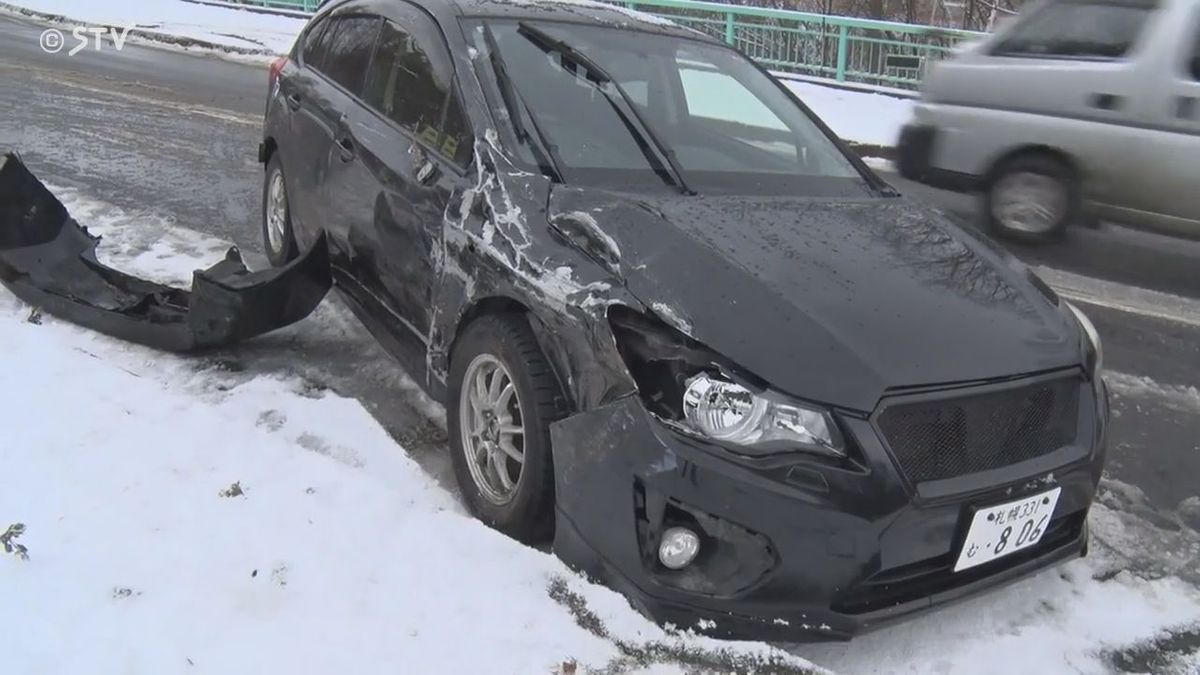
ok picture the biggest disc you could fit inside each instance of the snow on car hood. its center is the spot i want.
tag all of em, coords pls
(831, 301)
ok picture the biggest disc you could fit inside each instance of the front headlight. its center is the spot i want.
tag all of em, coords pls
(703, 394)
(1096, 351)
(728, 412)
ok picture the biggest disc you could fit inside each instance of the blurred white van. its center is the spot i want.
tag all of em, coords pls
(1077, 106)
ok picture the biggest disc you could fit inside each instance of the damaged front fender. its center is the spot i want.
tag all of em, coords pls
(48, 260)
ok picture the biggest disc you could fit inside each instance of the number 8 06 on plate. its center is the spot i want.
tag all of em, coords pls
(997, 531)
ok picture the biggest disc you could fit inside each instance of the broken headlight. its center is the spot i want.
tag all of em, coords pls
(727, 411)
(703, 394)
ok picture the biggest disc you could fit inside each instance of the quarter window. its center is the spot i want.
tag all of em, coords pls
(417, 93)
(316, 43)
(351, 41)
(1090, 30)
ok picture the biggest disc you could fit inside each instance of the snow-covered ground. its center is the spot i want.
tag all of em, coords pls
(182, 517)
(858, 116)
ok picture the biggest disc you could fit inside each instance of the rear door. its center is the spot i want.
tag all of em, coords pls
(345, 183)
(419, 146)
(303, 149)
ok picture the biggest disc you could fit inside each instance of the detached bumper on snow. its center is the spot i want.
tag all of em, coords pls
(49, 261)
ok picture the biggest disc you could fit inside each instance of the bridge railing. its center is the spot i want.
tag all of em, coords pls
(836, 47)
(840, 48)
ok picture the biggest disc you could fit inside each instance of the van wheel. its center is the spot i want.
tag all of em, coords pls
(501, 401)
(278, 238)
(1032, 198)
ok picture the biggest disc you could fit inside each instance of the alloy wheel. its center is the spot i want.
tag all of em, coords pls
(492, 427)
(277, 213)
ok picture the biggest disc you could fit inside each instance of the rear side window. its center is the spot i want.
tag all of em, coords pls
(316, 43)
(411, 82)
(351, 40)
(1089, 30)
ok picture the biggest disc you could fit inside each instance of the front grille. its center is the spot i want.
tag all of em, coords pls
(950, 437)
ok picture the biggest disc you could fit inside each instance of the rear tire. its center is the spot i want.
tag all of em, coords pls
(279, 239)
(496, 351)
(1032, 198)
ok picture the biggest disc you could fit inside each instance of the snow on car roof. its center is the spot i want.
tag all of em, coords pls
(601, 12)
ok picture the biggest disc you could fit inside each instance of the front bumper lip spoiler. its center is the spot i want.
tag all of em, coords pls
(49, 261)
(736, 620)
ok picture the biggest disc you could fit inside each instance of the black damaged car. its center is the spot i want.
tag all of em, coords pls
(678, 327)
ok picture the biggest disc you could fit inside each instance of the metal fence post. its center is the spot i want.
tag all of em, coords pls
(729, 27)
(843, 38)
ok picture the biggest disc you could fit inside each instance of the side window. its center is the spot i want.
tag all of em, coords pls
(351, 41)
(1193, 63)
(416, 92)
(316, 43)
(1079, 29)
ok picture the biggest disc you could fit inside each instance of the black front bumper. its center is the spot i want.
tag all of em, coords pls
(795, 548)
(48, 260)
(914, 161)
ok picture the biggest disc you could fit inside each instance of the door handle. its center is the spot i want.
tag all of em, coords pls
(1103, 101)
(345, 141)
(346, 148)
(1185, 107)
(427, 172)
(294, 101)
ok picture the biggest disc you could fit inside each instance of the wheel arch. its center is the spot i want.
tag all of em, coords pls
(501, 305)
(1033, 150)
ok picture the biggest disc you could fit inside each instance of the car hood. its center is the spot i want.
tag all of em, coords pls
(830, 301)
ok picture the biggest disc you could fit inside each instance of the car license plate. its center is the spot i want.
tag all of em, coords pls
(997, 531)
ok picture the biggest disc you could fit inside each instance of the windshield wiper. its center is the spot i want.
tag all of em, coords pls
(650, 144)
(544, 153)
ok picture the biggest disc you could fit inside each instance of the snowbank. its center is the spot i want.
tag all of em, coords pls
(222, 26)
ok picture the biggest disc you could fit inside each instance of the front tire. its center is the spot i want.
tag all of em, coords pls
(502, 398)
(279, 239)
(1032, 198)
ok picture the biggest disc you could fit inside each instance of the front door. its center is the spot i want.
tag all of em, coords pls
(419, 142)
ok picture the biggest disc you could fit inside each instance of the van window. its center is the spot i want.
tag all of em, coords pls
(1074, 29)
(351, 42)
(1193, 63)
(405, 85)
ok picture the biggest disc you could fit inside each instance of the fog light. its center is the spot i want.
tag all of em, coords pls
(678, 548)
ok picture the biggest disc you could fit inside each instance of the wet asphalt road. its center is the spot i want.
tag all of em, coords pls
(174, 135)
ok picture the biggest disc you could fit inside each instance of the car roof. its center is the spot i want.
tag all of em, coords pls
(576, 11)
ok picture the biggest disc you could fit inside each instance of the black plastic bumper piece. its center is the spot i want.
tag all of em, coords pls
(914, 160)
(48, 260)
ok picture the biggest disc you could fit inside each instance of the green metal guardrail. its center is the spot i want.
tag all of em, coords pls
(837, 47)
(842, 48)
